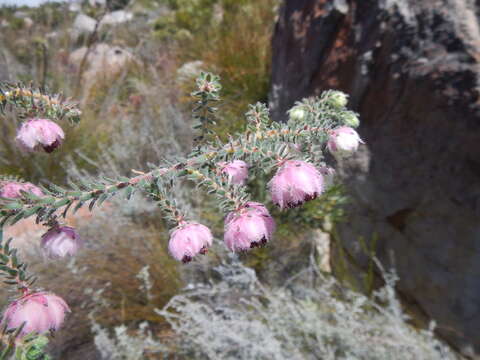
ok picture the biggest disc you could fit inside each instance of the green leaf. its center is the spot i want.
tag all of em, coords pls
(61, 203)
(129, 192)
(92, 204)
(33, 210)
(78, 206)
(64, 214)
(46, 201)
(57, 189)
(13, 206)
(13, 272)
(5, 219)
(102, 198)
(5, 268)
(17, 218)
(75, 194)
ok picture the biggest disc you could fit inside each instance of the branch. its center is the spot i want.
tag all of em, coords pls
(34, 102)
(266, 146)
(14, 271)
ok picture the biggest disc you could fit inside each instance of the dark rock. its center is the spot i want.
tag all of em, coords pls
(412, 70)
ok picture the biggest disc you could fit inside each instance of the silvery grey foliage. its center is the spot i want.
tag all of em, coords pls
(239, 318)
(125, 346)
(147, 284)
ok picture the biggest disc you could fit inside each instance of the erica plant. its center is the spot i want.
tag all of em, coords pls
(291, 153)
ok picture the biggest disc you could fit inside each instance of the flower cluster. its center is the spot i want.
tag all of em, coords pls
(35, 312)
(292, 152)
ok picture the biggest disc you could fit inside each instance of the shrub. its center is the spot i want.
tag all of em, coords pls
(310, 317)
(264, 146)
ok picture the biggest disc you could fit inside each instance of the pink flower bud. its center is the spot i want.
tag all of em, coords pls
(12, 189)
(41, 312)
(237, 171)
(38, 134)
(343, 141)
(249, 227)
(60, 242)
(294, 183)
(188, 240)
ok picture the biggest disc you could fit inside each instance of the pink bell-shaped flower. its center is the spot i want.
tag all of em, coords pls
(188, 240)
(40, 311)
(247, 228)
(38, 134)
(60, 241)
(343, 141)
(11, 189)
(237, 171)
(294, 183)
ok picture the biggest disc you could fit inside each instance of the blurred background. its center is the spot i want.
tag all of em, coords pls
(409, 198)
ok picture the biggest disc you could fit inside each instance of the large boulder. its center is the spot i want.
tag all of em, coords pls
(412, 70)
(101, 60)
(86, 25)
(83, 24)
(116, 17)
(100, 64)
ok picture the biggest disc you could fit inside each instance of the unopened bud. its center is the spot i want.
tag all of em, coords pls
(343, 141)
(338, 99)
(351, 119)
(297, 114)
(60, 242)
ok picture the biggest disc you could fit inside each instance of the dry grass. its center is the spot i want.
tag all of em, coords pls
(239, 50)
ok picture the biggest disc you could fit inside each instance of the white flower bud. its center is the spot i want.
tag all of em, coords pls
(297, 114)
(338, 99)
(343, 141)
(351, 119)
